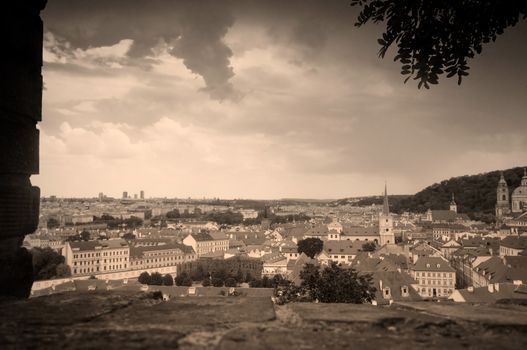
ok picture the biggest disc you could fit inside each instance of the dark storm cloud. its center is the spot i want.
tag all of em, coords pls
(318, 102)
(194, 30)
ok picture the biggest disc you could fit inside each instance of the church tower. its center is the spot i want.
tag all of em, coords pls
(386, 222)
(453, 205)
(502, 196)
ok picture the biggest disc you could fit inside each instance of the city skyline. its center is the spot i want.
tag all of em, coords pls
(287, 105)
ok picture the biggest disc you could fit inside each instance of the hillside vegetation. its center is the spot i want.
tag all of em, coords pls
(475, 195)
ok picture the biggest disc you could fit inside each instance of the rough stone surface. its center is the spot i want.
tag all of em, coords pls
(129, 320)
(20, 110)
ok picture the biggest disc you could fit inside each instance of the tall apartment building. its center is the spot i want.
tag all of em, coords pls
(94, 257)
(435, 277)
(207, 242)
(161, 255)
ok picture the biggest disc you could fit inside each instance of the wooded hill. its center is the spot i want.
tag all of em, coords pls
(475, 195)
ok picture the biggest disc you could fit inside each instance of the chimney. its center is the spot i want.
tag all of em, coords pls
(470, 289)
(490, 287)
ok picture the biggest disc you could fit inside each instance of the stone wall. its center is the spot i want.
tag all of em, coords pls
(20, 110)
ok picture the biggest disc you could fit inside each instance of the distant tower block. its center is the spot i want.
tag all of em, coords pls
(125, 195)
(502, 198)
(135, 195)
(142, 194)
(453, 205)
(386, 222)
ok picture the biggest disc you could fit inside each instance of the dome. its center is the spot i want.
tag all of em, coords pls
(520, 191)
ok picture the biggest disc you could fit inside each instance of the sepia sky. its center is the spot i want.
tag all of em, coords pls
(260, 99)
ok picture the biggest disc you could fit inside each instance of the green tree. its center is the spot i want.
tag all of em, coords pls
(217, 282)
(256, 283)
(173, 214)
(133, 222)
(368, 247)
(45, 263)
(230, 282)
(168, 280)
(62, 270)
(206, 282)
(156, 279)
(52, 223)
(128, 236)
(144, 278)
(335, 284)
(437, 37)
(310, 246)
(183, 279)
(85, 235)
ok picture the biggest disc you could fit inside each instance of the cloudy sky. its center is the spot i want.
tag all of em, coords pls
(260, 99)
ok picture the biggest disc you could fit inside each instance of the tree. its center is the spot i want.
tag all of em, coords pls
(45, 262)
(310, 246)
(62, 270)
(197, 274)
(230, 282)
(368, 247)
(133, 222)
(85, 235)
(183, 279)
(168, 280)
(173, 214)
(128, 236)
(255, 283)
(437, 37)
(156, 279)
(217, 282)
(335, 284)
(248, 277)
(52, 223)
(144, 278)
(205, 282)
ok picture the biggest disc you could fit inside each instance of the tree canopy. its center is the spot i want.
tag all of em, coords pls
(439, 36)
(47, 263)
(310, 246)
(335, 284)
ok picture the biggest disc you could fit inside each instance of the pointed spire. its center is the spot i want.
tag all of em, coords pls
(453, 199)
(385, 206)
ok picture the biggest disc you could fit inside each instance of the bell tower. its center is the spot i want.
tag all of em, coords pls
(453, 205)
(502, 196)
(386, 222)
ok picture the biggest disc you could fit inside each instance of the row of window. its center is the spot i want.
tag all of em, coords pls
(210, 243)
(98, 254)
(96, 269)
(437, 282)
(434, 274)
(430, 291)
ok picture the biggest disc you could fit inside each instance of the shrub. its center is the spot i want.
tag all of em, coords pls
(217, 282)
(206, 282)
(168, 280)
(144, 278)
(156, 279)
(230, 282)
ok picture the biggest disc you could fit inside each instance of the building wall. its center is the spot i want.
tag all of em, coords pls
(427, 281)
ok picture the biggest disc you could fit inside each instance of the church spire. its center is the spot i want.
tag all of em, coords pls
(385, 206)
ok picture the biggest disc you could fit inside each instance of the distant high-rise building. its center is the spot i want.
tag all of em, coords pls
(135, 195)
(142, 194)
(125, 195)
(101, 196)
